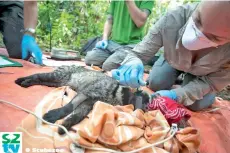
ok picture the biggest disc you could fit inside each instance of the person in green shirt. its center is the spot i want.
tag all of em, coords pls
(123, 29)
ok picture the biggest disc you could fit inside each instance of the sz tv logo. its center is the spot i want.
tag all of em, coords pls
(11, 142)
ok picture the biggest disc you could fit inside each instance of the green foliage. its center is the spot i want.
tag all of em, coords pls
(74, 22)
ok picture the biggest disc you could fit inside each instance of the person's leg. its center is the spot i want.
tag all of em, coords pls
(11, 25)
(118, 56)
(114, 61)
(96, 57)
(207, 100)
(162, 75)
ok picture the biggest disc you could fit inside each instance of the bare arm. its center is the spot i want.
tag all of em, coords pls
(30, 14)
(138, 16)
(151, 43)
(108, 28)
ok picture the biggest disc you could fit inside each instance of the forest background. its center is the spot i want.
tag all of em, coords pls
(69, 24)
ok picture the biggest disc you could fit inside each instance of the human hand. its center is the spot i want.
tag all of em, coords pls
(102, 44)
(167, 93)
(29, 46)
(130, 74)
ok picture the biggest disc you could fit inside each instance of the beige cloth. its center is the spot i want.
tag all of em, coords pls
(212, 70)
(116, 127)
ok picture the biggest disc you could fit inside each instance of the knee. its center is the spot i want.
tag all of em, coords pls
(90, 58)
(157, 83)
(108, 65)
(207, 101)
(96, 57)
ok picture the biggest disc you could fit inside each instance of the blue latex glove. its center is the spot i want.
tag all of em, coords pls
(102, 44)
(130, 74)
(30, 47)
(168, 93)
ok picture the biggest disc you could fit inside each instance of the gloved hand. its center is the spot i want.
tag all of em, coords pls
(29, 46)
(130, 74)
(167, 93)
(102, 44)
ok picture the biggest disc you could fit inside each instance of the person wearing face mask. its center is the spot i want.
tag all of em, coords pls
(196, 41)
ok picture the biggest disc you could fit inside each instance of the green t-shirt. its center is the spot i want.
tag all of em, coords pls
(124, 30)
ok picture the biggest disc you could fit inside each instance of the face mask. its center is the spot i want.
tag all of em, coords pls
(194, 39)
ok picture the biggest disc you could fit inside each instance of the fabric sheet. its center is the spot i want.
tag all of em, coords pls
(117, 127)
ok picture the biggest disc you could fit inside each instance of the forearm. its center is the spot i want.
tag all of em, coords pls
(200, 86)
(138, 16)
(149, 46)
(193, 91)
(107, 28)
(30, 14)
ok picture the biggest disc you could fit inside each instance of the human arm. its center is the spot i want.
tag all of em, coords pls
(29, 45)
(107, 27)
(200, 86)
(149, 46)
(143, 51)
(153, 41)
(138, 15)
(106, 33)
(30, 14)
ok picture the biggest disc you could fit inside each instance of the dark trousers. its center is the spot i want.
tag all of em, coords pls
(11, 24)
